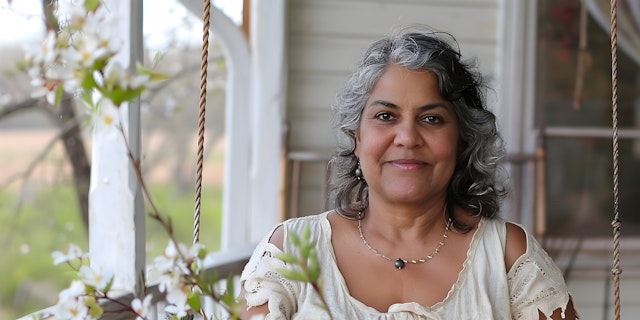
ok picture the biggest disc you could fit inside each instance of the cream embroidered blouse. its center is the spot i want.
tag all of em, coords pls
(484, 289)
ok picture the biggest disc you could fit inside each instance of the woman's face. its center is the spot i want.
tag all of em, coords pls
(408, 137)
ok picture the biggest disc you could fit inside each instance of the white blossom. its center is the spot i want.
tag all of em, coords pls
(178, 310)
(95, 278)
(84, 52)
(142, 307)
(70, 303)
(73, 253)
(118, 77)
(173, 266)
(48, 53)
(176, 293)
(83, 46)
(107, 114)
(44, 88)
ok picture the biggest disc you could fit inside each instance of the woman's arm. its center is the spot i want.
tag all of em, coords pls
(277, 239)
(569, 314)
(261, 310)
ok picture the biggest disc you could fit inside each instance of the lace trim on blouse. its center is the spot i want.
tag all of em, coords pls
(262, 283)
(536, 284)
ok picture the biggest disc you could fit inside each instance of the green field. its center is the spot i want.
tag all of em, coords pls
(34, 225)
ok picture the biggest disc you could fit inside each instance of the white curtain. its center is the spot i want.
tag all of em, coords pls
(628, 23)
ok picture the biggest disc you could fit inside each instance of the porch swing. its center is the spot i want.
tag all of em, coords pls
(616, 222)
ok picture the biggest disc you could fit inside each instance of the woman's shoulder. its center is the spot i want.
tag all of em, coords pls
(312, 218)
(512, 237)
(297, 225)
(516, 244)
(520, 246)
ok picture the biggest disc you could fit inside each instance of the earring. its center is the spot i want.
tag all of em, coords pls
(358, 172)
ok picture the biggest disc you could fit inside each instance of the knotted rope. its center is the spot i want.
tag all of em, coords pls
(616, 223)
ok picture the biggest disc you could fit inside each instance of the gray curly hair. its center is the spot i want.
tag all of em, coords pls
(474, 184)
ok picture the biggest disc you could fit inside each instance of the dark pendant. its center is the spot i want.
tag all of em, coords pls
(399, 263)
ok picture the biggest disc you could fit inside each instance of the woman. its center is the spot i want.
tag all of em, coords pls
(414, 234)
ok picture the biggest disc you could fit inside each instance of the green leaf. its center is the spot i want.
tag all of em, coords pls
(294, 239)
(59, 94)
(88, 83)
(230, 285)
(88, 99)
(153, 75)
(288, 258)
(202, 253)
(193, 265)
(306, 233)
(91, 5)
(314, 267)
(292, 275)
(109, 284)
(194, 300)
(95, 310)
(119, 95)
(89, 290)
(304, 252)
(212, 277)
(228, 299)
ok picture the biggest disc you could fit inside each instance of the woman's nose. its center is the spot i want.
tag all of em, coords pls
(408, 135)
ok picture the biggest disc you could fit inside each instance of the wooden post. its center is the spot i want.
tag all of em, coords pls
(116, 213)
(246, 17)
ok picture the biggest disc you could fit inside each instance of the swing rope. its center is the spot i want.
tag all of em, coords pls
(616, 223)
(201, 118)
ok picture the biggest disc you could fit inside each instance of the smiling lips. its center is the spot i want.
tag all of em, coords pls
(407, 164)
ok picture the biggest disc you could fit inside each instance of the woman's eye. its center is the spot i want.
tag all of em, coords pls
(432, 119)
(384, 116)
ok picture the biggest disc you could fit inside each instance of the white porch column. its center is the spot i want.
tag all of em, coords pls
(515, 109)
(116, 228)
(268, 74)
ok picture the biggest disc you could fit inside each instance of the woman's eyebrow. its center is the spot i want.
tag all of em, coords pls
(425, 107)
(384, 103)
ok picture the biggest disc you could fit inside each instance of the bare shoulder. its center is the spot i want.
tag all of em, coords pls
(516, 244)
(277, 237)
(295, 225)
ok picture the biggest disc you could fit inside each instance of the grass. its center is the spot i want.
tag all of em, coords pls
(32, 228)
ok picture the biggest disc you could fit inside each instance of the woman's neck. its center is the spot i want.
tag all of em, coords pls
(397, 222)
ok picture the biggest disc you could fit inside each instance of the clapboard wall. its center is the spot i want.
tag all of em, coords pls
(325, 39)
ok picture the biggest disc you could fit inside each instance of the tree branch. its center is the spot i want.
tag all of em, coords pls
(22, 106)
(24, 175)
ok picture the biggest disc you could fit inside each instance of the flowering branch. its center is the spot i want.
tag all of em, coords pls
(78, 60)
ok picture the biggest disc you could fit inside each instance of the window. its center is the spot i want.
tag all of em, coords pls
(576, 120)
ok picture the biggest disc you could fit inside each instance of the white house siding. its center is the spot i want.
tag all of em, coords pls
(325, 39)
